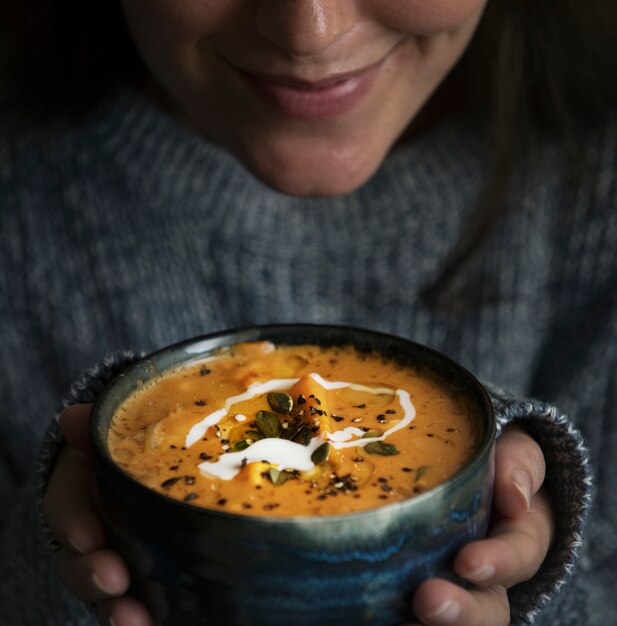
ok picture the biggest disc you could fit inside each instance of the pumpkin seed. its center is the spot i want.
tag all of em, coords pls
(303, 435)
(321, 454)
(382, 448)
(243, 444)
(276, 476)
(280, 402)
(421, 471)
(292, 430)
(268, 424)
(374, 432)
(255, 435)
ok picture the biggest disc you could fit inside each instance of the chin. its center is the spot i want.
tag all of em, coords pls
(310, 184)
(308, 171)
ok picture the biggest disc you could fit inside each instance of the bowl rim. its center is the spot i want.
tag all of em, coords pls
(102, 457)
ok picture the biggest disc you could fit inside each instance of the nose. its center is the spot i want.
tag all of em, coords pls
(305, 27)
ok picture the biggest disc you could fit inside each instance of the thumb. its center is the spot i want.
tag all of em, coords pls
(74, 426)
(519, 471)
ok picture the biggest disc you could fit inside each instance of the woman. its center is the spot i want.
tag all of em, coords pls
(135, 223)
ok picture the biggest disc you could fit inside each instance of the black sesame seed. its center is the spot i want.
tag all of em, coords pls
(386, 488)
(301, 399)
(407, 469)
(390, 411)
(200, 402)
(170, 481)
(204, 456)
(221, 502)
(189, 497)
(204, 371)
(189, 480)
(173, 468)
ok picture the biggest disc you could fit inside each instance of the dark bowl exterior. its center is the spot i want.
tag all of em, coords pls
(195, 566)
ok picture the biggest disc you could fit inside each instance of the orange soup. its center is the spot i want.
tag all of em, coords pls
(260, 429)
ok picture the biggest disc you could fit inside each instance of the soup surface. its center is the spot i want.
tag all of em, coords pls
(260, 429)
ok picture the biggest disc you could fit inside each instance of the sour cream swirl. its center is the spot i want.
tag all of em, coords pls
(286, 454)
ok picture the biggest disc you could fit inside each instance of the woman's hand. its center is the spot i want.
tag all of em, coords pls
(93, 573)
(517, 543)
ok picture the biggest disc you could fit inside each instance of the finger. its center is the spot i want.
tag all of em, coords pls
(519, 472)
(124, 611)
(441, 602)
(95, 576)
(67, 504)
(74, 426)
(514, 551)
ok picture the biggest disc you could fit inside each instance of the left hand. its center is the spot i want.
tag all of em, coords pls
(519, 537)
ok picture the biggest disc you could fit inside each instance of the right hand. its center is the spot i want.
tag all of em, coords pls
(93, 573)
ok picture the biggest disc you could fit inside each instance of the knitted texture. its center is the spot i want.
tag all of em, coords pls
(84, 390)
(126, 232)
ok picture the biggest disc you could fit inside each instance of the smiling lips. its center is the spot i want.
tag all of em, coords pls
(303, 100)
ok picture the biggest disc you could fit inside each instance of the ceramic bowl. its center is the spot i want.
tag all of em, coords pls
(204, 567)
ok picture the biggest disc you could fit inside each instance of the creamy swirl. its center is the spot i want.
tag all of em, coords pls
(282, 453)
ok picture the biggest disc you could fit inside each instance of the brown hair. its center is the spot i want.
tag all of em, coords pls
(534, 68)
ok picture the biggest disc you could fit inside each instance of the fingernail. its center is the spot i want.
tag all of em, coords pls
(447, 612)
(76, 546)
(523, 484)
(482, 573)
(102, 586)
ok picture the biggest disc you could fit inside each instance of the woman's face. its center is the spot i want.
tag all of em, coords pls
(309, 94)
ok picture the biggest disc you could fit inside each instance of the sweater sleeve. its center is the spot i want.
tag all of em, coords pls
(27, 561)
(569, 484)
(84, 390)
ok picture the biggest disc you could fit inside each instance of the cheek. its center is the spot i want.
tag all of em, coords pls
(425, 17)
(163, 21)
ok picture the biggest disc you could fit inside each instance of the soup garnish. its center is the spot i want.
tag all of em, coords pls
(288, 430)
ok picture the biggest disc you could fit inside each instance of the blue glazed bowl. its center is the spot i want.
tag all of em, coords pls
(195, 566)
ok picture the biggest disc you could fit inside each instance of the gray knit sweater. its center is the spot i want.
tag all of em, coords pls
(126, 232)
